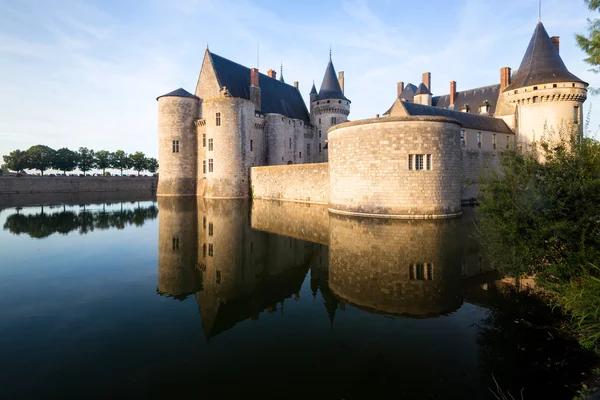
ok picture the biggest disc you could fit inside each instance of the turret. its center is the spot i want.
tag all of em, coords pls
(177, 143)
(423, 93)
(328, 108)
(545, 96)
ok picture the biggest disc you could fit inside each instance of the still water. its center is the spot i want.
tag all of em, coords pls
(225, 299)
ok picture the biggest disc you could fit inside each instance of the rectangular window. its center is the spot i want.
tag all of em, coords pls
(463, 138)
(219, 277)
(494, 141)
(319, 133)
(308, 150)
(204, 140)
(210, 165)
(410, 162)
(319, 121)
(175, 146)
(203, 222)
(429, 272)
(175, 243)
(218, 119)
(204, 250)
(210, 250)
(428, 166)
(418, 162)
(333, 121)
(210, 229)
(319, 148)
(576, 114)
(300, 156)
(204, 166)
(251, 145)
(478, 140)
(420, 272)
(210, 145)
(290, 143)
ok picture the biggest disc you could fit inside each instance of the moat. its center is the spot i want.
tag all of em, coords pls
(139, 297)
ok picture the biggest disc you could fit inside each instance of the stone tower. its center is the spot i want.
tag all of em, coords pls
(177, 143)
(328, 108)
(542, 95)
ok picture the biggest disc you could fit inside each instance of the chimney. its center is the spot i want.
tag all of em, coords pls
(296, 85)
(452, 93)
(400, 88)
(341, 80)
(504, 77)
(556, 42)
(272, 74)
(254, 88)
(427, 80)
(376, 115)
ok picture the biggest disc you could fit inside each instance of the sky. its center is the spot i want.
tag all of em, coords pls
(79, 73)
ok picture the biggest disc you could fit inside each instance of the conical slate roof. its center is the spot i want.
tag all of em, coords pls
(330, 87)
(422, 89)
(181, 92)
(313, 90)
(541, 63)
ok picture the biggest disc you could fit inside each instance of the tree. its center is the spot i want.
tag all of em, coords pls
(590, 43)
(40, 157)
(119, 160)
(86, 159)
(152, 165)
(138, 161)
(102, 160)
(16, 160)
(65, 160)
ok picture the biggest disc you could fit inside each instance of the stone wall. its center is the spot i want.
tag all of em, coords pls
(369, 170)
(476, 164)
(308, 183)
(67, 184)
(73, 198)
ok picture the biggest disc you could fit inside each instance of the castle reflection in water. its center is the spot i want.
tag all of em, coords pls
(239, 259)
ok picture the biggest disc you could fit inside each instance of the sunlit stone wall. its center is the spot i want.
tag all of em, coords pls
(75, 184)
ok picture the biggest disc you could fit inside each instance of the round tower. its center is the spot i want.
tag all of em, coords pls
(547, 98)
(177, 143)
(328, 108)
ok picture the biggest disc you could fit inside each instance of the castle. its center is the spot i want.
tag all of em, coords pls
(420, 159)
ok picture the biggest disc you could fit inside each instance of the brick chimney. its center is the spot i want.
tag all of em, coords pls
(254, 88)
(556, 42)
(452, 93)
(427, 80)
(341, 80)
(296, 85)
(504, 77)
(272, 74)
(400, 88)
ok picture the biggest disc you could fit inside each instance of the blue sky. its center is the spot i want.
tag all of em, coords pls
(86, 73)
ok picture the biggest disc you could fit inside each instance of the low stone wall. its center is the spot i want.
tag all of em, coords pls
(69, 184)
(306, 183)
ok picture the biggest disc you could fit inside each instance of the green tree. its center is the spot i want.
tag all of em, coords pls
(119, 160)
(590, 42)
(152, 165)
(65, 160)
(102, 160)
(138, 161)
(16, 160)
(85, 159)
(40, 157)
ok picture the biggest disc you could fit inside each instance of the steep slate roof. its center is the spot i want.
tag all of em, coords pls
(422, 89)
(330, 87)
(181, 92)
(313, 90)
(541, 63)
(473, 97)
(276, 97)
(467, 120)
(408, 94)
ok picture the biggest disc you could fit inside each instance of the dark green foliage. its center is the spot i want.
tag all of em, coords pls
(119, 160)
(152, 165)
(542, 219)
(138, 161)
(86, 159)
(102, 160)
(16, 160)
(65, 160)
(590, 43)
(40, 157)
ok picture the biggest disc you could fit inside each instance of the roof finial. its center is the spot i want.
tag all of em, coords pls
(281, 69)
(329, 52)
(540, 12)
(207, 46)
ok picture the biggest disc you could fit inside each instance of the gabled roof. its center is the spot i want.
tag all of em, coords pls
(181, 92)
(473, 97)
(422, 89)
(408, 94)
(276, 97)
(467, 120)
(330, 87)
(541, 63)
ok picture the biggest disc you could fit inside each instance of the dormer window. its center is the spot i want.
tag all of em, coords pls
(465, 108)
(484, 108)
